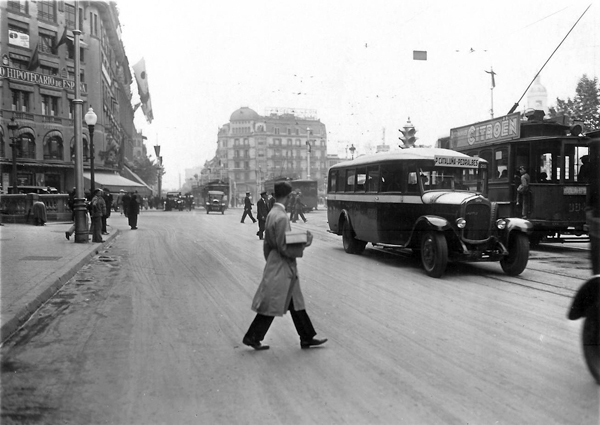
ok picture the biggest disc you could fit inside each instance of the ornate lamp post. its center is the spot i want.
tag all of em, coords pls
(90, 120)
(13, 126)
(352, 149)
(308, 149)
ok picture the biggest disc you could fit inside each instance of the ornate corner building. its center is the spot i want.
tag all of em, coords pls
(284, 142)
(37, 84)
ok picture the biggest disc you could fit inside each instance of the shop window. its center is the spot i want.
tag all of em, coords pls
(26, 146)
(53, 148)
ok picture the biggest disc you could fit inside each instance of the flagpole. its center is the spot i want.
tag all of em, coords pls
(492, 108)
(492, 73)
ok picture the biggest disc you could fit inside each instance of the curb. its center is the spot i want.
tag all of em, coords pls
(54, 284)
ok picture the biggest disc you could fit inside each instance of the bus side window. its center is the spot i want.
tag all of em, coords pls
(373, 179)
(333, 181)
(413, 186)
(361, 179)
(391, 179)
(350, 181)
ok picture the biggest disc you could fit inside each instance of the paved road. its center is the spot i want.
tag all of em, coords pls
(150, 333)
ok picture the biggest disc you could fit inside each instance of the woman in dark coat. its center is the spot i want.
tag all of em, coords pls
(133, 209)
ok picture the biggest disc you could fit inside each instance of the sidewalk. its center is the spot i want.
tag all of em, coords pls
(36, 261)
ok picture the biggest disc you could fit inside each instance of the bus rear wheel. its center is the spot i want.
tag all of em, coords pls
(590, 337)
(351, 244)
(518, 255)
(434, 254)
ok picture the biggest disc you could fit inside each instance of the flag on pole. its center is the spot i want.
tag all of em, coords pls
(419, 55)
(141, 78)
(492, 73)
(34, 60)
(58, 41)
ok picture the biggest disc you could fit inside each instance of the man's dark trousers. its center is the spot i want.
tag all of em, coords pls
(261, 323)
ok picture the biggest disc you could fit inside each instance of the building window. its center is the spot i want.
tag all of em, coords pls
(53, 148)
(49, 105)
(246, 154)
(246, 164)
(47, 10)
(20, 101)
(246, 142)
(46, 42)
(17, 6)
(276, 130)
(297, 132)
(2, 148)
(70, 15)
(48, 70)
(26, 146)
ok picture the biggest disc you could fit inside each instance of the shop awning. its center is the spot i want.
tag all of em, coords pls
(115, 183)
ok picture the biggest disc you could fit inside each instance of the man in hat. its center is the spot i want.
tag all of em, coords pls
(108, 200)
(262, 208)
(523, 192)
(248, 208)
(584, 170)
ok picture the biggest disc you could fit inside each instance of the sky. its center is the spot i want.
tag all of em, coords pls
(351, 61)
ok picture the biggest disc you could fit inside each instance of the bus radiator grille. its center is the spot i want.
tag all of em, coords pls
(478, 222)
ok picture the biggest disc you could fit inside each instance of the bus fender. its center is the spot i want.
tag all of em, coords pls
(518, 224)
(344, 216)
(432, 222)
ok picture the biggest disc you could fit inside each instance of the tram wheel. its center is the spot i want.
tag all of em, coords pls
(590, 338)
(434, 254)
(518, 255)
(351, 244)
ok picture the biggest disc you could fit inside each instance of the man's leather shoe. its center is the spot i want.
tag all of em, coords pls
(254, 344)
(312, 342)
(67, 235)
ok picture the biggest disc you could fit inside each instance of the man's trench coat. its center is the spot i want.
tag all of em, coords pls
(280, 277)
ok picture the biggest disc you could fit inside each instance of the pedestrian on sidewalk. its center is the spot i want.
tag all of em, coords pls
(262, 210)
(279, 289)
(108, 200)
(98, 211)
(71, 230)
(248, 208)
(126, 200)
(133, 209)
(39, 212)
(71, 203)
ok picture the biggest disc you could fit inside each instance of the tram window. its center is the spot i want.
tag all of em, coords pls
(373, 179)
(487, 155)
(361, 178)
(350, 174)
(501, 163)
(333, 181)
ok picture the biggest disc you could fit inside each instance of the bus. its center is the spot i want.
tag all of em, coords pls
(307, 187)
(553, 155)
(430, 200)
(201, 192)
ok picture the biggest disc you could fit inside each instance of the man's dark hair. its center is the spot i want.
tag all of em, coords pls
(282, 189)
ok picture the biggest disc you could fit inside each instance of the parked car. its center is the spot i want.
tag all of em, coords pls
(174, 201)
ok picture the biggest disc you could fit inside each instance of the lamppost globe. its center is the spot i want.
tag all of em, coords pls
(91, 118)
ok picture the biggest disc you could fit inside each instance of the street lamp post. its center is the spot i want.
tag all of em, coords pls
(352, 149)
(90, 120)
(81, 228)
(13, 126)
(308, 152)
(159, 160)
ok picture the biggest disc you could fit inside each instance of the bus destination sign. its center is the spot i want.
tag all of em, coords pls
(453, 161)
(491, 131)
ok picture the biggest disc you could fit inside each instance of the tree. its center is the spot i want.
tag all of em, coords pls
(584, 106)
(146, 169)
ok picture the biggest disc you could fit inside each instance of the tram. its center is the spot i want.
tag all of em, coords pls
(307, 187)
(553, 155)
(201, 193)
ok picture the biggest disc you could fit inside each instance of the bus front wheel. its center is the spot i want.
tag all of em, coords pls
(351, 244)
(434, 253)
(518, 255)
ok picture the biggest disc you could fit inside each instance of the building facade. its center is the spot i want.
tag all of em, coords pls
(37, 81)
(252, 148)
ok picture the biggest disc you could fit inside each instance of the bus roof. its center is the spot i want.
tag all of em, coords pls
(413, 154)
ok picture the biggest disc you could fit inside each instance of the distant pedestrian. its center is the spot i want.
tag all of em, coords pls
(39, 213)
(262, 210)
(108, 200)
(126, 200)
(299, 207)
(98, 210)
(248, 208)
(71, 202)
(119, 206)
(279, 289)
(133, 210)
(291, 207)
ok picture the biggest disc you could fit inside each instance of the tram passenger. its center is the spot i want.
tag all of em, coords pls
(584, 170)
(543, 177)
(523, 192)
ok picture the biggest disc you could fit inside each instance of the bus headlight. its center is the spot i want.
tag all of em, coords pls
(501, 224)
(461, 223)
